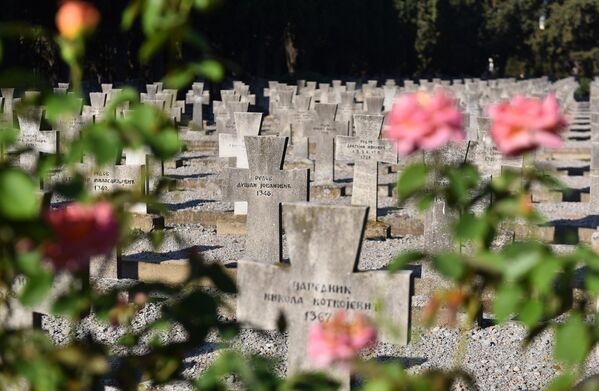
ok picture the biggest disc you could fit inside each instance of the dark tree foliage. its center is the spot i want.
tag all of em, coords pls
(337, 38)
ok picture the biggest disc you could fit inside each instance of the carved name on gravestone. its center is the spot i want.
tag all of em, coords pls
(366, 150)
(111, 178)
(30, 135)
(322, 132)
(265, 185)
(233, 145)
(320, 280)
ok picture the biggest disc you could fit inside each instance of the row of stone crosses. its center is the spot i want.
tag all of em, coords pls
(313, 125)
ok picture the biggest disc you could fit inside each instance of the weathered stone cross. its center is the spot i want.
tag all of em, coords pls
(7, 110)
(321, 279)
(265, 186)
(367, 150)
(233, 145)
(197, 97)
(95, 111)
(323, 132)
(31, 136)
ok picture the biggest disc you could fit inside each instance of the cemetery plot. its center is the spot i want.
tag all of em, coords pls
(320, 280)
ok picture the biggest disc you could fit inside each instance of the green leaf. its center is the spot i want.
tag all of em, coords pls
(531, 313)
(151, 15)
(36, 287)
(201, 4)
(425, 202)
(104, 143)
(178, 78)
(166, 144)
(130, 14)
(563, 382)
(544, 274)
(522, 258)
(127, 94)
(506, 180)
(450, 265)
(8, 135)
(28, 263)
(152, 45)
(591, 282)
(572, 340)
(471, 227)
(506, 301)
(58, 106)
(41, 374)
(461, 181)
(412, 180)
(19, 195)
(211, 69)
(403, 259)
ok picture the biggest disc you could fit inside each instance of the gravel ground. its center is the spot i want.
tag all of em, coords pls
(495, 355)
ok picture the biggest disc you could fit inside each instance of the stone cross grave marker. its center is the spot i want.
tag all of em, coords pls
(322, 131)
(366, 149)
(389, 91)
(487, 157)
(265, 185)
(95, 110)
(141, 158)
(108, 179)
(594, 176)
(225, 122)
(103, 180)
(197, 97)
(438, 217)
(373, 104)
(151, 89)
(233, 145)
(7, 109)
(320, 280)
(300, 116)
(31, 136)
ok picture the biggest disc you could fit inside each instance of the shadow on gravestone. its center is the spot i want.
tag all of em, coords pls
(320, 280)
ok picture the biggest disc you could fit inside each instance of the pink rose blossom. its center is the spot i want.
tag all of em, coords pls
(525, 124)
(340, 340)
(421, 121)
(80, 232)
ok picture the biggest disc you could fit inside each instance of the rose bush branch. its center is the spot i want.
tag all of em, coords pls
(530, 282)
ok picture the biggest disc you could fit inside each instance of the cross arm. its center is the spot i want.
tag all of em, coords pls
(263, 293)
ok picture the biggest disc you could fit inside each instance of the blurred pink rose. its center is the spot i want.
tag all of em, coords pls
(75, 17)
(340, 340)
(421, 121)
(525, 124)
(80, 231)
